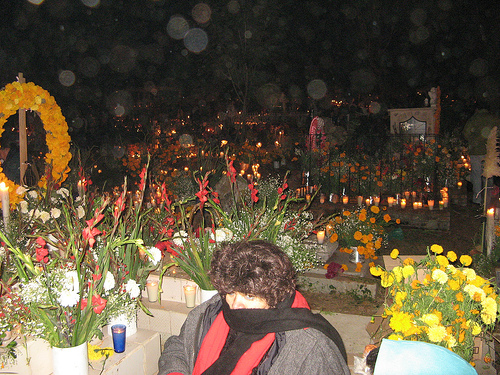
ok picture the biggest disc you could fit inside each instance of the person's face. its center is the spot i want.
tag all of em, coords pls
(237, 300)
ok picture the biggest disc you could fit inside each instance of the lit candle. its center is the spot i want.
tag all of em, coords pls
(81, 189)
(360, 200)
(376, 200)
(119, 332)
(321, 236)
(308, 197)
(430, 202)
(420, 204)
(445, 202)
(4, 194)
(190, 294)
(441, 204)
(152, 288)
(390, 201)
(414, 195)
(490, 230)
(407, 195)
(345, 199)
(403, 203)
(322, 198)
(415, 205)
(459, 184)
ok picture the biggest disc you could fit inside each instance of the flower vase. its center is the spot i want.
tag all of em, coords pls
(205, 294)
(130, 320)
(72, 360)
(355, 256)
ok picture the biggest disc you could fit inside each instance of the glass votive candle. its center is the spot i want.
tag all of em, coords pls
(190, 294)
(345, 199)
(415, 205)
(430, 203)
(403, 203)
(368, 201)
(152, 289)
(360, 200)
(390, 201)
(441, 205)
(376, 201)
(119, 333)
(445, 202)
(321, 236)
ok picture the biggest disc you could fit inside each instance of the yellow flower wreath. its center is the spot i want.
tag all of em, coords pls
(30, 96)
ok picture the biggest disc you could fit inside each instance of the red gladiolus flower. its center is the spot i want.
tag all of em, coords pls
(90, 232)
(142, 175)
(202, 194)
(83, 304)
(96, 277)
(41, 251)
(254, 193)
(232, 172)
(216, 197)
(98, 304)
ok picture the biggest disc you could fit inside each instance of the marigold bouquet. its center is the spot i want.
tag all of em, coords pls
(437, 302)
(363, 228)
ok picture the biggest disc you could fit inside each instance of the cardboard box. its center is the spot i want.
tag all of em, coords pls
(391, 263)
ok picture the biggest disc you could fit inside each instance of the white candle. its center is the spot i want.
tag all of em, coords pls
(152, 288)
(321, 236)
(190, 294)
(390, 201)
(490, 230)
(308, 197)
(345, 199)
(360, 200)
(403, 203)
(367, 202)
(4, 194)
(81, 189)
(415, 205)
(376, 200)
(430, 202)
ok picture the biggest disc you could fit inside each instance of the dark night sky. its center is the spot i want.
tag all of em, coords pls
(84, 51)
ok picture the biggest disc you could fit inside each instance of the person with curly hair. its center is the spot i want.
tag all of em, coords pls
(257, 323)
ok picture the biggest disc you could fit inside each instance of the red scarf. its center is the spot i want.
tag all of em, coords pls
(216, 338)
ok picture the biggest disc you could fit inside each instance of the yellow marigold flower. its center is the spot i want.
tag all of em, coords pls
(362, 217)
(376, 271)
(408, 270)
(451, 256)
(326, 266)
(398, 273)
(375, 209)
(358, 235)
(436, 249)
(398, 221)
(476, 328)
(394, 253)
(395, 337)
(466, 260)
(359, 265)
(451, 342)
(334, 237)
(451, 269)
(400, 321)
(344, 267)
(436, 333)
(399, 298)
(454, 284)
(489, 312)
(479, 281)
(386, 279)
(387, 218)
(442, 260)
(346, 213)
(430, 319)
(96, 353)
(408, 261)
(440, 276)
(371, 264)
(372, 219)
(415, 284)
(469, 273)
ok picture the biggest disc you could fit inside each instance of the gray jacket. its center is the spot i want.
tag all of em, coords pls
(306, 351)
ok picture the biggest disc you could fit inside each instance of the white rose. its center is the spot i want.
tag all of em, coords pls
(154, 255)
(23, 206)
(21, 190)
(44, 216)
(109, 282)
(133, 289)
(63, 192)
(80, 212)
(55, 213)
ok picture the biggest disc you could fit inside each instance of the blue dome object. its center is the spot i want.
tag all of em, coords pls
(400, 357)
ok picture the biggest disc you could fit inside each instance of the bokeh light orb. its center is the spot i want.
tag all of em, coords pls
(201, 13)
(67, 78)
(177, 27)
(316, 89)
(36, 2)
(91, 3)
(120, 103)
(233, 7)
(196, 40)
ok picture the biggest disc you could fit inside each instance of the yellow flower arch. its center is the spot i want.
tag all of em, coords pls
(30, 96)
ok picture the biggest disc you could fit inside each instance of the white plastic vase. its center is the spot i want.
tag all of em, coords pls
(74, 360)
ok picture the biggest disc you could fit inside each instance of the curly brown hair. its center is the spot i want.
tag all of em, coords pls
(255, 267)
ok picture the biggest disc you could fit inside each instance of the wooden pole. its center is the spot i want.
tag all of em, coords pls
(23, 144)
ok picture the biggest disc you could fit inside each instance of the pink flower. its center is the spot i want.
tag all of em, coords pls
(98, 303)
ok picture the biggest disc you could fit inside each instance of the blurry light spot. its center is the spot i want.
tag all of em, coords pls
(196, 40)
(91, 3)
(89, 67)
(233, 7)
(201, 13)
(316, 89)
(120, 103)
(248, 34)
(36, 2)
(67, 78)
(374, 107)
(479, 67)
(119, 110)
(177, 27)
(418, 16)
(184, 52)
(122, 59)
(445, 4)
